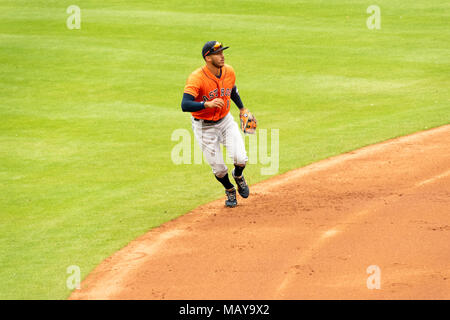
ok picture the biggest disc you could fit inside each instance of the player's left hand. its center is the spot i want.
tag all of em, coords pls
(248, 121)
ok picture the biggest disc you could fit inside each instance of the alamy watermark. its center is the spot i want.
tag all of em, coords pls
(73, 281)
(74, 20)
(187, 150)
(374, 21)
(374, 280)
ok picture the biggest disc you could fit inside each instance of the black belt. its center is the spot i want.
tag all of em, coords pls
(209, 121)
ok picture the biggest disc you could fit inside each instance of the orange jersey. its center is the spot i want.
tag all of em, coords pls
(205, 86)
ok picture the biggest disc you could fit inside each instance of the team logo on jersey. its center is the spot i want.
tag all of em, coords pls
(214, 94)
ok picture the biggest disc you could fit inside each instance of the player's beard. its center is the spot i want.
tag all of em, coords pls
(216, 65)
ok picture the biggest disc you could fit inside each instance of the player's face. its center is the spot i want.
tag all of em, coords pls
(217, 59)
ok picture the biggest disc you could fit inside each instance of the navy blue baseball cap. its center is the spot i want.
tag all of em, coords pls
(212, 47)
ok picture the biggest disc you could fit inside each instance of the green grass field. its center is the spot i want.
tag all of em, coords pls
(87, 115)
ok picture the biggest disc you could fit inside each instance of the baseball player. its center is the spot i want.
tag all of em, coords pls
(207, 96)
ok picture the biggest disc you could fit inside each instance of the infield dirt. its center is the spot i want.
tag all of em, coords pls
(310, 233)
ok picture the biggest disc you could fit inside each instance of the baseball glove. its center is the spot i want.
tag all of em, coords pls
(248, 121)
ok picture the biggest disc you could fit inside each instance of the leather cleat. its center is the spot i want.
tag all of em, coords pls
(231, 198)
(243, 188)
